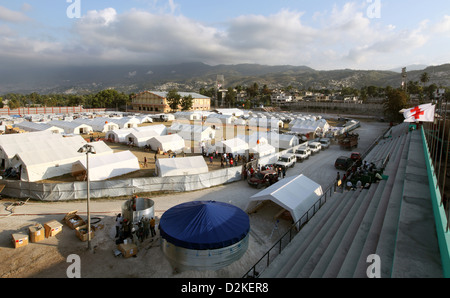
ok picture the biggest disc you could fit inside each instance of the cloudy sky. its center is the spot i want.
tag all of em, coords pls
(359, 34)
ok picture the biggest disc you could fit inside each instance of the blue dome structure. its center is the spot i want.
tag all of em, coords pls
(204, 225)
(204, 235)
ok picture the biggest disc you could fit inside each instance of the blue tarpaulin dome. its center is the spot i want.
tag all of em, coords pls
(204, 225)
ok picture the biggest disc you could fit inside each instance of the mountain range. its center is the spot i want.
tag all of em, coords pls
(193, 76)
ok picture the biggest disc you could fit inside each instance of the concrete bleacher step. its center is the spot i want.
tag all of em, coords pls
(311, 233)
(387, 212)
(355, 252)
(282, 262)
(386, 243)
(318, 245)
(335, 240)
(332, 262)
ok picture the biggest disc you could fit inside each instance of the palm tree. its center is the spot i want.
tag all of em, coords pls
(424, 78)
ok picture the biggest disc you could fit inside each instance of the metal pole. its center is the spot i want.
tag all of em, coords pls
(88, 199)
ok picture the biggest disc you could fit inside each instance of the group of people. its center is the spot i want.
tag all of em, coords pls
(227, 159)
(357, 174)
(137, 232)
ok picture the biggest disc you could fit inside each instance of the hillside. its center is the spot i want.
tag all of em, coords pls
(193, 76)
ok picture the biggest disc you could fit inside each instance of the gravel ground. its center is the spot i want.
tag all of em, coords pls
(48, 258)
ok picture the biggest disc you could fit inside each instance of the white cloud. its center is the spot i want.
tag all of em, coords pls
(343, 37)
(12, 16)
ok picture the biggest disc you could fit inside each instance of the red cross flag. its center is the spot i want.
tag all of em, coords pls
(422, 113)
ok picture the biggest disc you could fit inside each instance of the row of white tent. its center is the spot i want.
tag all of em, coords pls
(84, 125)
(38, 156)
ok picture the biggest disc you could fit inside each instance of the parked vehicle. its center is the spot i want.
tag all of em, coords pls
(325, 143)
(263, 178)
(343, 163)
(302, 153)
(315, 147)
(355, 156)
(286, 161)
(349, 140)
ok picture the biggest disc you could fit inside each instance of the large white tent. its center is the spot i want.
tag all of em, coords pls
(296, 194)
(99, 124)
(12, 144)
(121, 135)
(181, 166)
(71, 127)
(102, 167)
(38, 126)
(48, 162)
(126, 122)
(196, 132)
(263, 149)
(235, 145)
(168, 142)
(140, 138)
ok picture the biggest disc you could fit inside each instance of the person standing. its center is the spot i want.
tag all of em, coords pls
(152, 226)
(119, 219)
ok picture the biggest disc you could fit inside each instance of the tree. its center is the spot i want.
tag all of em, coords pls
(187, 102)
(230, 97)
(424, 78)
(173, 99)
(395, 101)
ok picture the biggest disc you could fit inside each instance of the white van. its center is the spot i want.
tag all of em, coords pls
(315, 147)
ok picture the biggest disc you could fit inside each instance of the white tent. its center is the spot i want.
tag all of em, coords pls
(168, 142)
(38, 126)
(71, 127)
(215, 119)
(281, 141)
(120, 135)
(231, 111)
(235, 145)
(48, 162)
(181, 166)
(269, 123)
(102, 167)
(263, 149)
(196, 132)
(100, 124)
(140, 138)
(12, 144)
(126, 122)
(296, 194)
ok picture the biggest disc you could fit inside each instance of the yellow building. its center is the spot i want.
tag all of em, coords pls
(156, 102)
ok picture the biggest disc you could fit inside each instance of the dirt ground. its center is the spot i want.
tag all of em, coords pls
(48, 258)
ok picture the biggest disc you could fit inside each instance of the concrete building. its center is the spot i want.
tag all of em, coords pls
(156, 102)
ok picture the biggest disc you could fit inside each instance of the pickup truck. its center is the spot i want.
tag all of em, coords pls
(263, 178)
(302, 153)
(286, 161)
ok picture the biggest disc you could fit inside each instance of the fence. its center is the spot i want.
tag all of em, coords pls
(116, 188)
(436, 143)
(47, 110)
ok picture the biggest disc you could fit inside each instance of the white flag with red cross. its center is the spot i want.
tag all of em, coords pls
(422, 113)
